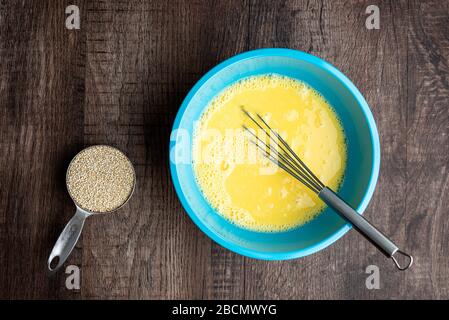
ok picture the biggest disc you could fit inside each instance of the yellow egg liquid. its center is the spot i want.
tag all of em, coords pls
(238, 180)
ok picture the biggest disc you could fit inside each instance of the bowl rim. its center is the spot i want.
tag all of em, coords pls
(375, 148)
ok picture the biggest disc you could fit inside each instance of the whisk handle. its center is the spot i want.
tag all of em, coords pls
(385, 245)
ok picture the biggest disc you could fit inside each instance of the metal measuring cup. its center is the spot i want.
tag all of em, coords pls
(72, 231)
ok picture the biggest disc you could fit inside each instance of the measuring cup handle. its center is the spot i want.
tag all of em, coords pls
(385, 245)
(67, 240)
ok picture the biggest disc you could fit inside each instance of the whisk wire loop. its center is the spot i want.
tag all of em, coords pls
(280, 153)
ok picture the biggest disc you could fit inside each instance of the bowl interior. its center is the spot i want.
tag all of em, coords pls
(362, 164)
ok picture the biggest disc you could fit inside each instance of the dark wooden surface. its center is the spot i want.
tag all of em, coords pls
(120, 80)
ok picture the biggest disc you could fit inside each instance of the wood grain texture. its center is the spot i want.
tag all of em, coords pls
(120, 80)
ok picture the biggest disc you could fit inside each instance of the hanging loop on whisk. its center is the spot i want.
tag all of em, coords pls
(408, 265)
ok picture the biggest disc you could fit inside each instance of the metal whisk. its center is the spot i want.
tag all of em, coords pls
(277, 150)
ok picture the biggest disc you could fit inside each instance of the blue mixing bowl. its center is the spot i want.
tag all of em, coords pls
(362, 164)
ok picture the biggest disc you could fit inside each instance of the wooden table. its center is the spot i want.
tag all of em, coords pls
(120, 80)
